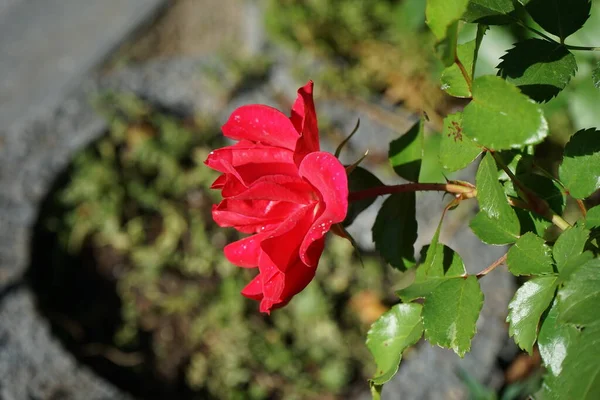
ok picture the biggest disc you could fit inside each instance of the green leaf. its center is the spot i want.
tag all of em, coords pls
(446, 48)
(580, 168)
(497, 222)
(360, 179)
(456, 150)
(390, 335)
(406, 152)
(579, 298)
(579, 376)
(596, 75)
(440, 14)
(441, 264)
(592, 219)
(531, 222)
(453, 80)
(494, 231)
(559, 17)
(569, 244)
(490, 12)
(573, 263)
(526, 309)
(500, 117)
(450, 314)
(541, 69)
(395, 230)
(555, 340)
(530, 256)
(546, 189)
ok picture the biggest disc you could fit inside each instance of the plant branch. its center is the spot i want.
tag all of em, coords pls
(461, 191)
(493, 266)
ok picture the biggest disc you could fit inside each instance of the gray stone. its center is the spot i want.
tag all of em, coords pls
(48, 46)
(33, 365)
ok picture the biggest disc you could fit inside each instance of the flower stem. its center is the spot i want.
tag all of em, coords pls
(464, 191)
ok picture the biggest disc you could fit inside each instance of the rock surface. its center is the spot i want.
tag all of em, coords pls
(48, 46)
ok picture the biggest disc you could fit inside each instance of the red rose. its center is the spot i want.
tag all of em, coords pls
(278, 186)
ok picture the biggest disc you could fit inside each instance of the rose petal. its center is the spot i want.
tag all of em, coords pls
(219, 182)
(245, 253)
(304, 119)
(246, 153)
(297, 278)
(270, 190)
(250, 216)
(283, 243)
(262, 124)
(253, 290)
(328, 176)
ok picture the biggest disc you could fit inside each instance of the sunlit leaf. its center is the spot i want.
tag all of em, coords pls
(456, 149)
(500, 117)
(440, 14)
(530, 255)
(450, 314)
(527, 307)
(390, 335)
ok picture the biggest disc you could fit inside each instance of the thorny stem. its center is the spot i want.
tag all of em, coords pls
(492, 267)
(461, 191)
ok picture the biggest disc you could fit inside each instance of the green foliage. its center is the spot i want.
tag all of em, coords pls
(406, 152)
(541, 69)
(360, 179)
(521, 189)
(570, 244)
(491, 12)
(450, 314)
(530, 256)
(500, 117)
(559, 17)
(456, 150)
(496, 222)
(390, 335)
(453, 81)
(580, 168)
(527, 307)
(395, 241)
(441, 14)
(579, 298)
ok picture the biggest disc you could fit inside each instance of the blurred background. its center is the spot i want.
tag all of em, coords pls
(121, 102)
